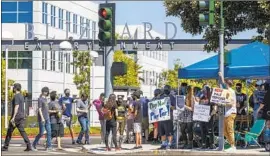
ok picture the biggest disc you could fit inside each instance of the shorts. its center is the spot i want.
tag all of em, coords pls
(165, 128)
(137, 127)
(145, 123)
(130, 123)
(155, 124)
(67, 121)
(57, 130)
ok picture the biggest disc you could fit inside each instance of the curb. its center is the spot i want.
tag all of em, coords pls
(65, 136)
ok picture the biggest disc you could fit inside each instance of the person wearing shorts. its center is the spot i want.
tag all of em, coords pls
(137, 119)
(145, 120)
(57, 126)
(66, 103)
(166, 127)
(130, 119)
(157, 94)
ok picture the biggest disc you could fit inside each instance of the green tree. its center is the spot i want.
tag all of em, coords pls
(3, 82)
(82, 62)
(133, 69)
(239, 16)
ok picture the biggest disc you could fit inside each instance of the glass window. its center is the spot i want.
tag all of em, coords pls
(24, 63)
(12, 54)
(68, 63)
(61, 20)
(81, 25)
(25, 17)
(53, 17)
(75, 23)
(25, 54)
(9, 17)
(60, 63)
(87, 27)
(26, 6)
(68, 20)
(44, 60)
(93, 30)
(44, 13)
(12, 63)
(9, 6)
(52, 60)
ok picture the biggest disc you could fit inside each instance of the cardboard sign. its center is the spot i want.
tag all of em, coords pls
(201, 113)
(220, 96)
(159, 110)
(180, 102)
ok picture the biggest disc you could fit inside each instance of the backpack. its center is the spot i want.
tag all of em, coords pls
(108, 114)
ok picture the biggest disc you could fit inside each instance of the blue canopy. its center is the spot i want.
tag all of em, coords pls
(248, 61)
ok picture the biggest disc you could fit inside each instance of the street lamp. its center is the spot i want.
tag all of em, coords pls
(6, 35)
(94, 56)
(65, 46)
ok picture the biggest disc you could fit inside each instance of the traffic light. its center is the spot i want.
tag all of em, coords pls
(106, 24)
(207, 9)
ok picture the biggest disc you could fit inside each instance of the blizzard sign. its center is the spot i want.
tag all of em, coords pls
(220, 96)
(159, 110)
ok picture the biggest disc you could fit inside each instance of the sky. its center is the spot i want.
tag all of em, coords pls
(136, 12)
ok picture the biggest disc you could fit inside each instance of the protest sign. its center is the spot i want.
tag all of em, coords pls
(201, 113)
(220, 96)
(180, 102)
(159, 110)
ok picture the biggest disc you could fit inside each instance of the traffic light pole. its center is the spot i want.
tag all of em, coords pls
(108, 74)
(221, 69)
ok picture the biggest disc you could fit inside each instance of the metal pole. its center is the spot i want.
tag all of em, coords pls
(6, 91)
(64, 70)
(108, 75)
(221, 69)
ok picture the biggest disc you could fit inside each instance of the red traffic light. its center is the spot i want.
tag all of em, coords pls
(105, 13)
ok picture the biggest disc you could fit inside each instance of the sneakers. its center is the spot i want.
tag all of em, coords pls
(78, 142)
(34, 148)
(49, 149)
(73, 142)
(108, 149)
(87, 143)
(231, 149)
(118, 149)
(4, 148)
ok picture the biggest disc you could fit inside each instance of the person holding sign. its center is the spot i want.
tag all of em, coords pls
(157, 94)
(230, 113)
(186, 117)
(166, 127)
(207, 128)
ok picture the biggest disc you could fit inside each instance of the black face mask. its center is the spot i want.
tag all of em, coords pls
(67, 94)
(238, 89)
(167, 92)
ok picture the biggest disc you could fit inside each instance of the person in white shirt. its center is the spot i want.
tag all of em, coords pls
(230, 113)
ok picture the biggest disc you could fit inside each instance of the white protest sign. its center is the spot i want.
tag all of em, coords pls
(180, 102)
(201, 113)
(159, 110)
(220, 96)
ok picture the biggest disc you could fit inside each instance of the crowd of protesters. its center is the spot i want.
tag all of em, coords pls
(130, 117)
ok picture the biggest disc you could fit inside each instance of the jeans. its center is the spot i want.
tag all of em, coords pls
(20, 125)
(103, 129)
(187, 129)
(84, 128)
(111, 126)
(42, 127)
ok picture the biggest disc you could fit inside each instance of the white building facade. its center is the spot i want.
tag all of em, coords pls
(61, 20)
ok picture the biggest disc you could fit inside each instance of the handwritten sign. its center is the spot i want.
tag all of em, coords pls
(201, 113)
(220, 96)
(159, 110)
(180, 102)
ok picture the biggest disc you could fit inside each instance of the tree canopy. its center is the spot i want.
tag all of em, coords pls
(133, 70)
(239, 16)
(3, 82)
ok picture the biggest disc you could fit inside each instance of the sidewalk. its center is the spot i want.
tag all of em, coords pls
(152, 150)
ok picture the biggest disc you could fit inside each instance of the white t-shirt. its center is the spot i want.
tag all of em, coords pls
(231, 110)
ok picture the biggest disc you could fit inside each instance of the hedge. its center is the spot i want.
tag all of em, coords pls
(34, 131)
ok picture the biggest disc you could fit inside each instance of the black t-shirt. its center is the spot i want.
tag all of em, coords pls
(18, 100)
(241, 98)
(137, 107)
(266, 108)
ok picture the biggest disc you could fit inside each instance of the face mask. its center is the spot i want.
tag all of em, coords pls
(183, 90)
(67, 94)
(238, 89)
(167, 92)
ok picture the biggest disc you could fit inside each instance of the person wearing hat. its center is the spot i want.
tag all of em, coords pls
(17, 118)
(230, 112)
(56, 110)
(43, 119)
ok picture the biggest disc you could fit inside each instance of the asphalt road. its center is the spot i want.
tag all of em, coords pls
(17, 147)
